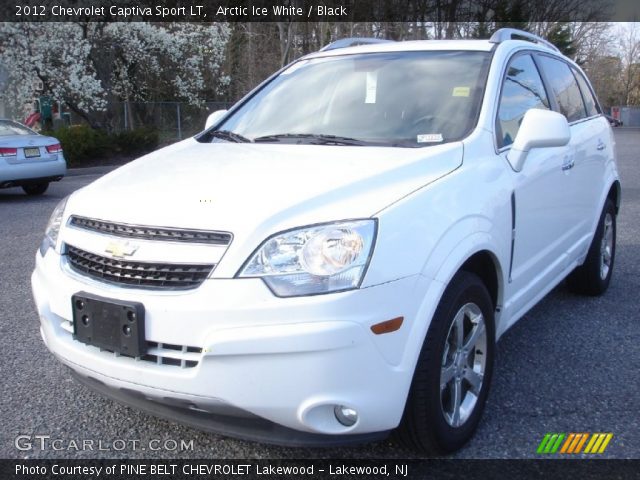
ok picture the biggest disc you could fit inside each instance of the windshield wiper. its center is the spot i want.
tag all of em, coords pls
(229, 135)
(313, 138)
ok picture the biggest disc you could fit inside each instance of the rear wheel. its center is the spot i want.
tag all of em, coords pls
(594, 275)
(452, 378)
(35, 188)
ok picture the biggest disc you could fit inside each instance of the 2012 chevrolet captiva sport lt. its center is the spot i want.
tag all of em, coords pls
(335, 257)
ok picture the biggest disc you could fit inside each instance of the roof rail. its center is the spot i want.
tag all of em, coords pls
(514, 34)
(352, 42)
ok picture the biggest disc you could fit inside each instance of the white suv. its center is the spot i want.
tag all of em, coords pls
(336, 256)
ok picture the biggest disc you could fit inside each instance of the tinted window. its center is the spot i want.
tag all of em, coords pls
(521, 91)
(564, 87)
(589, 100)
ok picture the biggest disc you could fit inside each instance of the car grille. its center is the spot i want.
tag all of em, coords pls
(142, 274)
(152, 233)
(168, 354)
(182, 356)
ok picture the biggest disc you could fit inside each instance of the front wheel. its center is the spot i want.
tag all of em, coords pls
(453, 374)
(594, 275)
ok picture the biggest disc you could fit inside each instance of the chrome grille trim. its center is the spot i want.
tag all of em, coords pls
(167, 234)
(139, 274)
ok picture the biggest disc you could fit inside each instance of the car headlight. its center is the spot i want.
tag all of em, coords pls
(316, 259)
(53, 227)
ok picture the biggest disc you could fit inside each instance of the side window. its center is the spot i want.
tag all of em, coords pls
(564, 87)
(589, 100)
(522, 90)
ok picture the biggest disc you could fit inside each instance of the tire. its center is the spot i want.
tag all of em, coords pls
(35, 188)
(429, 423)
(594, 275)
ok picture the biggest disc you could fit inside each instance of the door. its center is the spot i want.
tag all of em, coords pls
(589, 144)
(542, 211)
(593, 150)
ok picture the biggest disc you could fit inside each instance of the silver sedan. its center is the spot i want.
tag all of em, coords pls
(28, 159)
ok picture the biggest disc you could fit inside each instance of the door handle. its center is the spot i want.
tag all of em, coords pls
(601, 145)
(568, 164)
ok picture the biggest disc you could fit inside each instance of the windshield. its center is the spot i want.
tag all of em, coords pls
(8, 127)
(399, 98)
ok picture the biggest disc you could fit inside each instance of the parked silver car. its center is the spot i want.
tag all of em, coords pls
(28, 159)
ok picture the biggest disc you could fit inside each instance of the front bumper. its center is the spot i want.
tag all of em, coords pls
(286, 361)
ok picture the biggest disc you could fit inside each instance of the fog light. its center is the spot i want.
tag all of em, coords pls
(345, 415)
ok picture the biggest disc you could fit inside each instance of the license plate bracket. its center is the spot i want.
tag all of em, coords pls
(110, 324)
(31, 152)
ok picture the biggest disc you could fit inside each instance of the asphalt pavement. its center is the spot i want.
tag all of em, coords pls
(571, 365)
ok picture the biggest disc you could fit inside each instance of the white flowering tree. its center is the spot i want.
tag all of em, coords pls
(54, 56)
(178, 58)
(90, 65)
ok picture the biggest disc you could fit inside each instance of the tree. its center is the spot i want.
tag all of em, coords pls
(55, 54)
(561, 36)
(168, 61)
(91, 65)
(604, 73)
(629, 48)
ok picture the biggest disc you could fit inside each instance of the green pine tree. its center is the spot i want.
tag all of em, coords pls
(562, 37)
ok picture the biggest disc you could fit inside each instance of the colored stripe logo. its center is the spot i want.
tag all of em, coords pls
(572, 443)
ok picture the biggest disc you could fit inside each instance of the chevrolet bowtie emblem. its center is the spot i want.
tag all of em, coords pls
(121, 250)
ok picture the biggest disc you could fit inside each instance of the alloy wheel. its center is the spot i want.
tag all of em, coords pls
(463, 364)
(606, 247)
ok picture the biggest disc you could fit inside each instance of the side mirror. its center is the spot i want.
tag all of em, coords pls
(539, 129)
(213, 118)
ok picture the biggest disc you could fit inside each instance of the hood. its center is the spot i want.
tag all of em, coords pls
(246, 188)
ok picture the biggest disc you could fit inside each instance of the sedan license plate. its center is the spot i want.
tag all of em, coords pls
(31, 152)
(113, 325)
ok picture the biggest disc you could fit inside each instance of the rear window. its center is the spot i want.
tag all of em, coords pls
(8, 128)
(564, 87)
